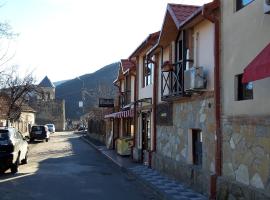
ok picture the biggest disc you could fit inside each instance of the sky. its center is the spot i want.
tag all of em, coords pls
(64, 39)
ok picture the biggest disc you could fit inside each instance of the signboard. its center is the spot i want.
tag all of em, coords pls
(106, 103)
(80, 104)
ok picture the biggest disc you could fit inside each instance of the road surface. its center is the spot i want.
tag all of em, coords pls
(68, 168)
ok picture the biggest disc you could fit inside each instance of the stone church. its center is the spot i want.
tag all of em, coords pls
(48, 109)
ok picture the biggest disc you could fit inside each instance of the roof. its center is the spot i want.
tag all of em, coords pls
(176, 15)
(27, 108)
(127, 65)
(151, 40)
(46, 82)
(180, 12)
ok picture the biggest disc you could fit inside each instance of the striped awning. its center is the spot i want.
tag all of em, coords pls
(122, 114)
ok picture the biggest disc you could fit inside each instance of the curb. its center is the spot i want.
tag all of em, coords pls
(160, 195)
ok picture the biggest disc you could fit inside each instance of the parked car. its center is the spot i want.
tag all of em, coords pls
(51, 128)
(82, 129)
(39, 132)
(13, 149)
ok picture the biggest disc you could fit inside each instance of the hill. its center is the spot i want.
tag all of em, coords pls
(87, 88)
(57, 83)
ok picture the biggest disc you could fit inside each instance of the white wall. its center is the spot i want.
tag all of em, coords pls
(244, 34)
(147, 91)
(204, 50)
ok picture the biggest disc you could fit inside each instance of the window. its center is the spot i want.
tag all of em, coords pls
(197, 146)
(242, 3)
(244, 91)
(148, 69)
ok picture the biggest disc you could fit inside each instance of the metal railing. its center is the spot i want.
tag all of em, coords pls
(172, 81)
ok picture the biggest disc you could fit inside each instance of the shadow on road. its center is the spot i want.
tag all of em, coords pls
(69, 168)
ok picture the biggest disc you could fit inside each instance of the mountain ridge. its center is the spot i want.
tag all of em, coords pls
(87, 88)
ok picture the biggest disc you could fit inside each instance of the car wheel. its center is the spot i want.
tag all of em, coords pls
(25, 160)
(31, 140)
(47, 139)
(15, 166)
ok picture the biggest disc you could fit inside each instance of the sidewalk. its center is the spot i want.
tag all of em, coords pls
(167, 189)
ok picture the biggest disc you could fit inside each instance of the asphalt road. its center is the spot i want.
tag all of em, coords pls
(68, 168)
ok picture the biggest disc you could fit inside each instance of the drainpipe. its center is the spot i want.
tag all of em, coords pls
(135, 108)
(208, 13)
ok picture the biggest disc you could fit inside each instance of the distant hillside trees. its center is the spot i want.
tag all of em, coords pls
(87, 88)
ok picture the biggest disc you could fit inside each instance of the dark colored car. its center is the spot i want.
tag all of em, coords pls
(13, 149)
(39, 132)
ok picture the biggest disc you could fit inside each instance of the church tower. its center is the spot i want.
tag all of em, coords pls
(47, 90)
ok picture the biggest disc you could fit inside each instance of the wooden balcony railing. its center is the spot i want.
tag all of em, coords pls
(125, 98)
(172, 81)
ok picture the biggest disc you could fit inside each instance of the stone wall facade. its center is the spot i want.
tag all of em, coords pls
(172, 155)
(51, 111)
(246, 157)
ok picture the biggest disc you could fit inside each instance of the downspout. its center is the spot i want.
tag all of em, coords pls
(209, 13)
(135, 108)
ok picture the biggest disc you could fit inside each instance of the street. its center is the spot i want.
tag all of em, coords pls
(68, 168)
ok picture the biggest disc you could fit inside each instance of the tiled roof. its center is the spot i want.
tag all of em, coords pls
(181, 12)
(150, 40)
(127, 64)
(46, 82)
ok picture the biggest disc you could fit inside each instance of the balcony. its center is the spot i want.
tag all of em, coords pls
(172, 81)
(125, 98)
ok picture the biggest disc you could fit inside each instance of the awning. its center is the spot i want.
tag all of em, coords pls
(259, 68)
(122, 114)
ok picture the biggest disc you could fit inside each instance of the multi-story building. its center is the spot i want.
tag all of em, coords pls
(245, 71)
(121, 134)
(185, 102)
(144, 112)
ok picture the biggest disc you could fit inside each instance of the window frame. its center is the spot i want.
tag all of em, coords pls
(241, 91)
(239, 4)
(147, 78)
(197, 135)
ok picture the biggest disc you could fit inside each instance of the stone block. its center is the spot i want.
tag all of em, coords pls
(256, 181)
(228, 171)
(262, 131)
(242, 174)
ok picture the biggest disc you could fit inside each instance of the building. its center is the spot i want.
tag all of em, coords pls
(121, 131)
(49, 110)
(245, 67)
(24, 115)
(201, 109)
(144, 90)
(185, 145)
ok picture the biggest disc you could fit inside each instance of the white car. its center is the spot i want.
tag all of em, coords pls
(51, 127)
(13, 149)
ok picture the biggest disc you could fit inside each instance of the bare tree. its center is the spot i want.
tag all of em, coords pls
(19, 89)
(6, 36)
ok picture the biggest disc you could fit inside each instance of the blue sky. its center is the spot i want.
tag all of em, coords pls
(67, 38)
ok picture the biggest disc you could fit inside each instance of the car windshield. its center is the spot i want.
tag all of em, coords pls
(4, 135)
(37, 128)
(50, 125)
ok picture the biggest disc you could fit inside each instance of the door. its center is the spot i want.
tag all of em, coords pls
(146, 135)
